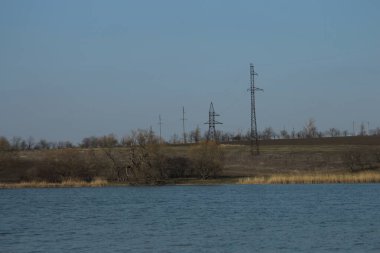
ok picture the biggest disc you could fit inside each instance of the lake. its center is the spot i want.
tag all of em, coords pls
(225, 218)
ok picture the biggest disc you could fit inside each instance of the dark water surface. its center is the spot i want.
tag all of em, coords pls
(227, 218)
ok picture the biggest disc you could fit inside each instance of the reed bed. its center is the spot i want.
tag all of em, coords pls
(315, 178)
(66, 183)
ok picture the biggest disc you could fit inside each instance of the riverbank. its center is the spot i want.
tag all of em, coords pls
(304, 178)
(326, 160)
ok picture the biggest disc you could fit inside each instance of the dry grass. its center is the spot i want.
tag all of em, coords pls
(304, 178)
(67, 183)
(315, 178)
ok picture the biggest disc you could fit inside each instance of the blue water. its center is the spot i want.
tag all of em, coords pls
(228, 218)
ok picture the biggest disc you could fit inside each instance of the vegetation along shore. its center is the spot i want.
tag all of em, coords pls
(147, 161)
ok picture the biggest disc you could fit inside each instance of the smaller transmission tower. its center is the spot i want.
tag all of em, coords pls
(183, 125)
(254, 135)
(211, 123)
(160, 124)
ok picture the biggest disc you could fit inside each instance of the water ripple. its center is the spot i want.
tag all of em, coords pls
(249, 218)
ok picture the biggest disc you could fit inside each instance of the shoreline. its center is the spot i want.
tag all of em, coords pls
(364, 177)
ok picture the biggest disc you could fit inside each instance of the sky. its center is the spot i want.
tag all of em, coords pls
(75, 68)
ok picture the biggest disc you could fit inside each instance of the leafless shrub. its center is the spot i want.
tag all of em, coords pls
(4, 144)
(363, 159)
(207, 159)
(179, 167)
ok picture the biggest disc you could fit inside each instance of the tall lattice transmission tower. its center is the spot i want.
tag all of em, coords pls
(211, 123)
(254, 135)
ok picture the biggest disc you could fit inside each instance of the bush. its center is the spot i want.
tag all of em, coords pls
(4, 144)
(179, 167)
(59, 165)
(364, 159)
(207, 159)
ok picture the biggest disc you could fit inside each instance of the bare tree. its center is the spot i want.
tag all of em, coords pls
(333, 132)
(284, 134)
(376, 131)
(4, 143)
(175, 139)
(362, 130)
(207, 159)
(30, 142)
(16, 142)
(195, 135)
(310, 129)
(268, 133)
(293, 134)
(128, 140)
(43, 144)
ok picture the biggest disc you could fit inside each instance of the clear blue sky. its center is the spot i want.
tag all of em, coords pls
(71, 69)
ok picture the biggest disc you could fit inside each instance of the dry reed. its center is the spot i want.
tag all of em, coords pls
(98, 182)
(316, 178)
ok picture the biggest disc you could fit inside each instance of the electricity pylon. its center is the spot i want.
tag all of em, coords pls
(211, 123)
(254, 135)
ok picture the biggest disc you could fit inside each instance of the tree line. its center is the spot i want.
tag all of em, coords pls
(143, 160)
(141, 136)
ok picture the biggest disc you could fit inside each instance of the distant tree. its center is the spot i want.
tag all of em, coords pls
(218, 135)
(152, 138)
(128, 140)
(53, 145)
(206, 136)
(247, 136)
(175, 139)
(185, 137)
(140, 137)
(191, 137)
(4, 143)
(376, 131)
(227, 137)
(64, 144)
(310, 129)
(237, 136)
(140, 163)
(293, 134)
(43, 144)
(284, 134)
(362, 130)
(30, 143)
(145, 137)
(268, 133)
(89, 142)
(207, 159)
(178, 167)
(108, 141)
(195, 135)
(117, 163)
(333, 132)
(16, 142)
